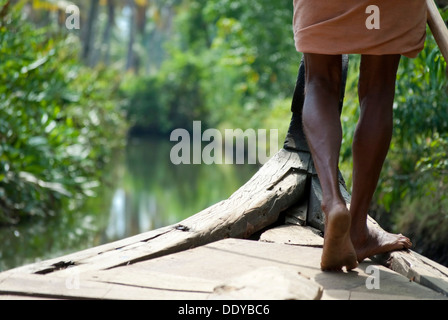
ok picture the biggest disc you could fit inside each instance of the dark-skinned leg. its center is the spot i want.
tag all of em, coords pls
(370, 146)
(322, 126)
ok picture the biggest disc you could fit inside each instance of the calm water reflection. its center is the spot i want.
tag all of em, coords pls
(147, 192)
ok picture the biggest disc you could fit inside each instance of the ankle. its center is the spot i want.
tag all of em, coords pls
(336, 205)
(359, 233)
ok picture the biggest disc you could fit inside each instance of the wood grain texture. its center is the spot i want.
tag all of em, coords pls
(438, 28)
(278, 185)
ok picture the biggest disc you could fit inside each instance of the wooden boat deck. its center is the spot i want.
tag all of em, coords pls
(282, 264)
(205, 256)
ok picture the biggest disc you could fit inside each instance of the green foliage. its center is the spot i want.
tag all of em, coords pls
(256, 39)
(421, 126)
(415, 184)
(58, 121)
(225, 65)
(171, 99)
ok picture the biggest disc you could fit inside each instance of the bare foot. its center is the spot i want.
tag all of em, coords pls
(338, 251)
(376, 241)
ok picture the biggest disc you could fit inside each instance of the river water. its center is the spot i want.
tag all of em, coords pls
(144, 191)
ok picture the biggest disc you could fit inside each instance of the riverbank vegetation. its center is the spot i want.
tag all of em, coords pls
(69, 96)
(59, 120)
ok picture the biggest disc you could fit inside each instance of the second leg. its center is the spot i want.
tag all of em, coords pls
(370, 146)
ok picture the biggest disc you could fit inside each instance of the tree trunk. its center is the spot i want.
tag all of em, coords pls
(108, 31)
(130, 60)
(89, 32)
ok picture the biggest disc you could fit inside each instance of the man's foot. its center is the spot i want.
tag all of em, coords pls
(338, 251)
(376, 241)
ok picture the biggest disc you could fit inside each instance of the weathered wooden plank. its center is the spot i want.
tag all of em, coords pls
(190, 275)
(269, 283)
(134, 276)
(62, 262)
(252, 208)
(297, 214)
(417, 268)
(232, 258)
(293, 235)
(22, 297)
(57, 287)
(48, 286)
(275, 187)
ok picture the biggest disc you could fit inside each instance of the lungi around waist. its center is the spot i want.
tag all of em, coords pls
(360, 26)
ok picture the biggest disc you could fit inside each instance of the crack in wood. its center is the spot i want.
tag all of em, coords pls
(152, 287)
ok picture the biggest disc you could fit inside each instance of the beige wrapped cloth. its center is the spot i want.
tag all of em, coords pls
(360, 26)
